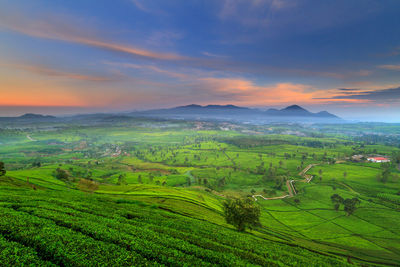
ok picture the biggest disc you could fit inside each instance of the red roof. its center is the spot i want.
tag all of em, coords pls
(378, 158)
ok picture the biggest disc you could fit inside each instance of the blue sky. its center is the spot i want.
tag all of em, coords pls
(83, 56)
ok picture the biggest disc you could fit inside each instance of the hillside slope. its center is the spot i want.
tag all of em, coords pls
(46, 227)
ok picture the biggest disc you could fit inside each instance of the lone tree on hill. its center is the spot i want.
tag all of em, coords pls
(61, 174)
(241, 213)
(350, 205)
(2, 169)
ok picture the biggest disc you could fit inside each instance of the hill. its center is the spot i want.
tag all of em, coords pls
(297, 111)
(76, 229)
(35, 116)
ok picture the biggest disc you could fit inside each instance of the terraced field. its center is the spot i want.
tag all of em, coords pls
(74, 229)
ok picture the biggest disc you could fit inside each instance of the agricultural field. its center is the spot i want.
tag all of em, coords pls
(149, 192)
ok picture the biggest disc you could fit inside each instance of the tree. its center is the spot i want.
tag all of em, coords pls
(61, 174)
(350, 205)
(88, 185)
(2, 169)
(241, 213)
(336, 200)
(336, 206)
(122, 179)
(385, 172)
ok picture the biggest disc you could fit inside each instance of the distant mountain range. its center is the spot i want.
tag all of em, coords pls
(292, 113)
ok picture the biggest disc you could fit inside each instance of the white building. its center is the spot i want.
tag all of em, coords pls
(378, 159)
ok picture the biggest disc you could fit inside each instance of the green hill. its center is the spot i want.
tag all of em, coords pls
(71, 228)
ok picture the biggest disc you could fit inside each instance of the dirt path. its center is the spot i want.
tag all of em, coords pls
(30, 138)
(269, 198)
(290, 186)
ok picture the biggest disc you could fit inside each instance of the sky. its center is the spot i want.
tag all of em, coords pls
(67, 57)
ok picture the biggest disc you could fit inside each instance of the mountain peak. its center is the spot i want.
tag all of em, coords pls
(294, 108)
(195, 106)
(190, 106)
(223, 106)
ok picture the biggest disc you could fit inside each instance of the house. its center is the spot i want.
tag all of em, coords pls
(378, 159)
(357, 157)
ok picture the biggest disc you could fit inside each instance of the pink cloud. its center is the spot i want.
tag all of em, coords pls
(56, 29)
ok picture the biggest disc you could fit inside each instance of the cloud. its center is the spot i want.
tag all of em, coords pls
(208, 54)
(247, 12)
(56, 29)
(62, 28)
(349, 89)
(246, 92)
(217, 86)
(164, 38)
(279, 4)
(140, 4)
(57, 73)
(390, 67)
(149, 68)
(380, 96)
(203, 85)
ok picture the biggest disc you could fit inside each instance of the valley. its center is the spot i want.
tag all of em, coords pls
(172, 169)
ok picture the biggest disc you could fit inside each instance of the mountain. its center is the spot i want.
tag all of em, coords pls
(35, 116)
(195, 107)
(297, 111)
(197, 110)
(293, 113)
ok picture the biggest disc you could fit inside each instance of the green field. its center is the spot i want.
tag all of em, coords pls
(158, 189)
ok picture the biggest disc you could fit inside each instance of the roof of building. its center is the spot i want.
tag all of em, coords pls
(378, 158)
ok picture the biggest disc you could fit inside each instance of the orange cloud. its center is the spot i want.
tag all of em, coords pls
(390, 67)
(55, 29)
(247, 93)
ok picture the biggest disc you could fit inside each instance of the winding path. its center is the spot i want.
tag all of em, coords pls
(290, 186)
(30, 138)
